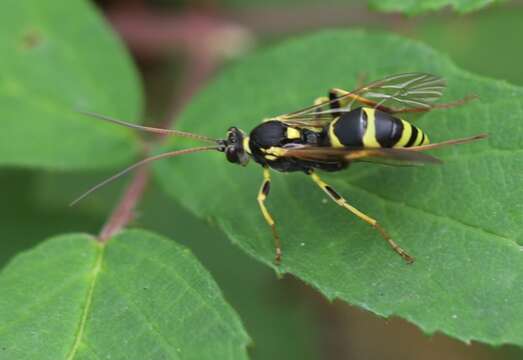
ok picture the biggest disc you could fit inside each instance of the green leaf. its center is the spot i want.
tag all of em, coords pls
(140, 296)
(461, 220)
(261, 299)
(465, 41)
(269, 300)
(60, 57)
(414, 7)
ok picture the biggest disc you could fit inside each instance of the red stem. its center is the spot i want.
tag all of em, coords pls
(124, 213)
(189, 33)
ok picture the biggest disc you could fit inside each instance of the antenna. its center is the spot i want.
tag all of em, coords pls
(148, 128)
(140, 163)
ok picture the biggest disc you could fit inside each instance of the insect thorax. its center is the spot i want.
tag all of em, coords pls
(267, 139)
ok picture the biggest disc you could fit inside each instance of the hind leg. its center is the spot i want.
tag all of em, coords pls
(338, 199)
(262, 196)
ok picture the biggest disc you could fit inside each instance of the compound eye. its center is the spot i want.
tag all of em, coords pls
(231, 155)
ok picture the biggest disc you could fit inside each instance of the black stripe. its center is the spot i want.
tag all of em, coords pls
(397, 131)
(350, 127)
(332, 192)
(413, 136)
(388, 129)
(266, 188)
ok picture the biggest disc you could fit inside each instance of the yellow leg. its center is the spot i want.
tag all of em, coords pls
(262, 196)
(320, 100)
(343, 203)
(332, 104)
(347, 98)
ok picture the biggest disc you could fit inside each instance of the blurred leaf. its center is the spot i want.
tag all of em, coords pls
(462, 221)
(414, 7)
(26, 221)
(472, 42)
(137, 297)
(245, 4)
(61, 57)
(57, 190)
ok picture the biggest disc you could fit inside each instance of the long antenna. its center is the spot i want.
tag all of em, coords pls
(140, 163)
(150, 129)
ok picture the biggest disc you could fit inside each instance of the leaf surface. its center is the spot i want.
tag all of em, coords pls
(61, 57)
(461, 220)
(140, 296)
(414, 7)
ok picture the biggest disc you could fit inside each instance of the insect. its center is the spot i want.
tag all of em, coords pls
(345, 127)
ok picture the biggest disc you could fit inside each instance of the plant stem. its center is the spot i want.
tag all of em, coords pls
(124, 212)
(202, 40)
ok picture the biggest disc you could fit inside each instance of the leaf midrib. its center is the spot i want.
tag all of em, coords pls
(88, 302)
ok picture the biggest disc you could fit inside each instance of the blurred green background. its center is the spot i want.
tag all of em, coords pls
(174, 44)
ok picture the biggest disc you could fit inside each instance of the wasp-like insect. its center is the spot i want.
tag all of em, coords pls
(328, 136)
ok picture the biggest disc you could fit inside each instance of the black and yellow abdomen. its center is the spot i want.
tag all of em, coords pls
(371, 128)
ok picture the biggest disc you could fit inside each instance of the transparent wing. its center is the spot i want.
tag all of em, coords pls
(410, 90)
(392, 94)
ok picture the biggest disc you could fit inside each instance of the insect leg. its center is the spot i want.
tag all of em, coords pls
(343, 203)
(320, 100)
(347, 99)
(262, 196)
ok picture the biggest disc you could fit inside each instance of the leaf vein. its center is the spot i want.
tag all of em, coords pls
(188, 286)
(88, 302)
(165, 343)
(39, 303)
